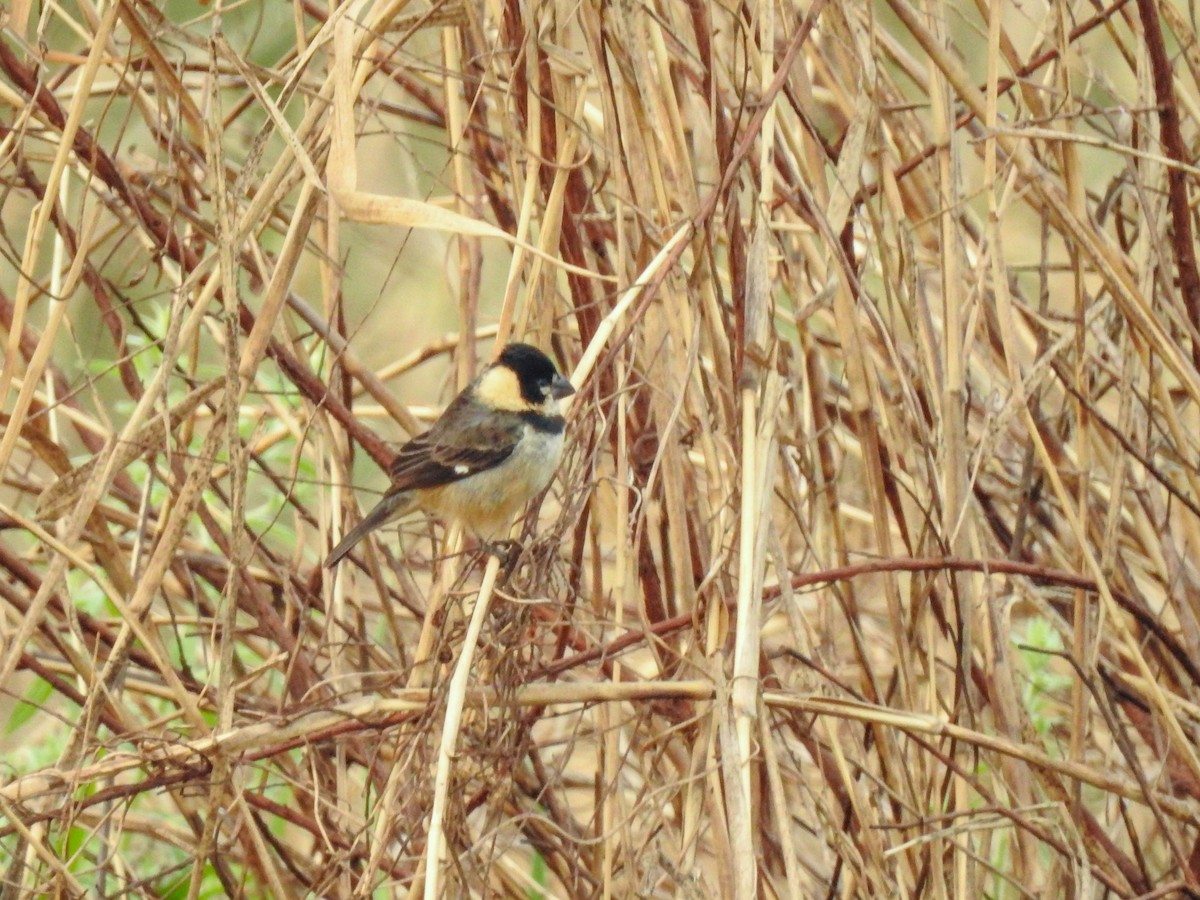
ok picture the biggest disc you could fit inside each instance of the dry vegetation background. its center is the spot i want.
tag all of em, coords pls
(871, 567)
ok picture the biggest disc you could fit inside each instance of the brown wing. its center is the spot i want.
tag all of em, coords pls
(465, 440)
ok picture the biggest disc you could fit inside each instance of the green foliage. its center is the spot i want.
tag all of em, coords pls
(37, 694)
(1040, 645)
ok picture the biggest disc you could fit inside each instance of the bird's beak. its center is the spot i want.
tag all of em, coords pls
(560, 387)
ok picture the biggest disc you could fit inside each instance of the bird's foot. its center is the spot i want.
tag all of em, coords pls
(503, 550)
(508, 552)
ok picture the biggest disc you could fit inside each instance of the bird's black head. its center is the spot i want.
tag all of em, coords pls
(539, 381)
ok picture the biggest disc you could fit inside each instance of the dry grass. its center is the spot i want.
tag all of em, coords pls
(871, 568)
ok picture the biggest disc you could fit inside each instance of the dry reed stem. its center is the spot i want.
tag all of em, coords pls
(869, 569)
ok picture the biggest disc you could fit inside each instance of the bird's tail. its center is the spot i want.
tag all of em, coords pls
(392, 506)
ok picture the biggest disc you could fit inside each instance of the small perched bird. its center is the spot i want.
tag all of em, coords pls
(494, 448)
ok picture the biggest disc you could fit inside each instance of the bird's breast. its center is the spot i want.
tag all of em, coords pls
(486, 501)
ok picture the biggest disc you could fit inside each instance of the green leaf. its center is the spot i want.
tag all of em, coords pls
(39, 692)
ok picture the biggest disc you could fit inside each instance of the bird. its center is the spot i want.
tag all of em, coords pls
(497, 445)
